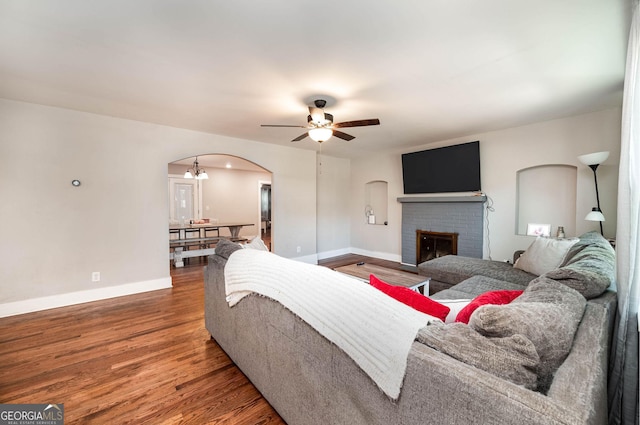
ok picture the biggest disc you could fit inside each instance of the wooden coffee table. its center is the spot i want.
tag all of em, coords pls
(393, 277)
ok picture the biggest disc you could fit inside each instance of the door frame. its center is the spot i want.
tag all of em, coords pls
(197, 194)
(260, 184)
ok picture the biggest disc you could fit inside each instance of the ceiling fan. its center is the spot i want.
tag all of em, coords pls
(321, 126)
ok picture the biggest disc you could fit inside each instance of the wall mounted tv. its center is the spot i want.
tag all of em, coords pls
(448, 169)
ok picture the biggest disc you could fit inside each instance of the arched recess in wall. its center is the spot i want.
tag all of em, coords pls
(546, 195)
(376, 202)
(234, 193)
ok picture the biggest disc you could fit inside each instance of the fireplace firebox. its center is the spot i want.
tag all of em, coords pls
(430, 245)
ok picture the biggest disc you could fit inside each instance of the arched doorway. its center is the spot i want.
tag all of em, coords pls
(229, 204)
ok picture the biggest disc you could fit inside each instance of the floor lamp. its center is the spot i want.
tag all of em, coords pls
(593, 160)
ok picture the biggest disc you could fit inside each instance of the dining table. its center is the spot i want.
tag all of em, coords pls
(202, 228)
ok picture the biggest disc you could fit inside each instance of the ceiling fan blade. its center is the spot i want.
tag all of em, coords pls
(343, 136)
(300, 137)
(283, 125)
(357, 123)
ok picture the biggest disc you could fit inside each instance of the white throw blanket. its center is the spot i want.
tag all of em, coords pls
(375, 330)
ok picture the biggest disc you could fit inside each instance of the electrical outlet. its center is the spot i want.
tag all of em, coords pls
(95, 277)
(298, 249)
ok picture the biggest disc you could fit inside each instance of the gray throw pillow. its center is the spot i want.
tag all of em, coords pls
(513, 358)
(225, 248)
(590, 268)
(547, 313)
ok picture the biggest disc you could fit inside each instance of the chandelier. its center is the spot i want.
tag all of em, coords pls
(196, 171)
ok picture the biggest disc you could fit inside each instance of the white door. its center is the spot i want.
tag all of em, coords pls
(183, 198)
(183, 202)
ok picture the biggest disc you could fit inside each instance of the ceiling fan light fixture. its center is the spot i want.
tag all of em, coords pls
(321, 120)
(320, 134)
(320, 126)
(317, 116)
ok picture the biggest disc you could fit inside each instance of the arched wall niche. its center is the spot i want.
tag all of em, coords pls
(376, 194)
(546, 195)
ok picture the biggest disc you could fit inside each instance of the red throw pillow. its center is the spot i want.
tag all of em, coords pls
(411, 298)
(491, 297)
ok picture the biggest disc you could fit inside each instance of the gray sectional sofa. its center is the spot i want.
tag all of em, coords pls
(455, 374)
(589, 267)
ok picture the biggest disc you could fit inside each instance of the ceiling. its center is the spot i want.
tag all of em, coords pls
(430, 70)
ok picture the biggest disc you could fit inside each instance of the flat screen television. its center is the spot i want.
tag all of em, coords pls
(448, 169)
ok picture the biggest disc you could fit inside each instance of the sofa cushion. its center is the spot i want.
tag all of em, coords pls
(544, 254)
(475, 286)
(453, 269)
(590, 267)
(411, 298)
(547, 313)
(491, 297)
(513, 358)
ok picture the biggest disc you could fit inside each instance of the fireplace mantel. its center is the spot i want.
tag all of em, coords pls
(430, 199)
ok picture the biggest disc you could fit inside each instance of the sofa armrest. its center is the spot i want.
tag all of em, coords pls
(453, 392)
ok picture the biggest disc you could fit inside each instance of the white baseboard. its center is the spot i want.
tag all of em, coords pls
(311, 259)
(375, 254)
(334, 253)
(352, 250)
(79, 297)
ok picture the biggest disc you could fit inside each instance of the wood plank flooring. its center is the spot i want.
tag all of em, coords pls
(143, 359)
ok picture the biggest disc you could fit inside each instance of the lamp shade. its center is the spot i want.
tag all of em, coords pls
(320, 134)
(188, 175)
(595, 215)
(595, 158)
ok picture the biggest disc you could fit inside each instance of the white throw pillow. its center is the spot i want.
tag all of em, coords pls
(544, 255)
(257, 243)
(455, 306)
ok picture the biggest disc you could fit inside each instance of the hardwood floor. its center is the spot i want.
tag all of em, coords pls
(143, 359)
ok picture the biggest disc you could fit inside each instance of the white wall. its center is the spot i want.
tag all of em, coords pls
(233, 196)
(54, 235)
(334, 230)
(503, 153)
(375, 240)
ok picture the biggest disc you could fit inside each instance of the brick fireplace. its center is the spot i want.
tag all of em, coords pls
(461, 215)
(430, 245)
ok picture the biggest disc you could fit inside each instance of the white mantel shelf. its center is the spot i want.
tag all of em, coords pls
(433, 199)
